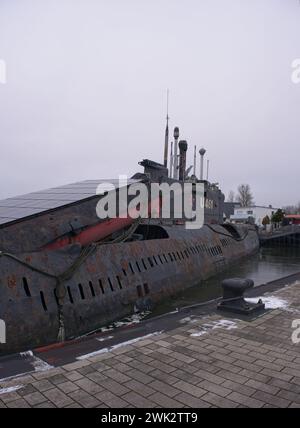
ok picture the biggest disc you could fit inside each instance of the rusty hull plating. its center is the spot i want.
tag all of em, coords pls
(113, 281)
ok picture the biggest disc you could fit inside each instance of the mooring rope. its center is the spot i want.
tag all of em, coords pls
(229, 235)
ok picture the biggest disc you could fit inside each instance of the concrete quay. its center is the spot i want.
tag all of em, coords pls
(207, 359)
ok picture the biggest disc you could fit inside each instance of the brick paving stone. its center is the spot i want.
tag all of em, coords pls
(111, 400)
(72, 376)
(84, 399)
(296, 380)
(232, 376)
(277, 375)
(18, 404)
(288, 364)
(45, 405)
(139, 388)
(190, 389)
(216, 348)
(290, 396)
(123, 368)
(292, 372)
(247, 366)
(28, 389)
(165, 401)
(68, 387)
(182, 357)
(34, 398)
(117, 376)
(260, 386)
(254, 375)
(114, 387)
(89, 386)
(140, 376)
(125, 358)
(96, 377)
(164, 377)
(264, 357)
(190, 368)
(136, 400)
(57, 397)
(186, 377)
(214, 388)
(288, 386)
(237, 387)
(166, 389)
(145, 368)
(161, 366)
(74, 405)
(221, 357)
(271, 399)
(11, 396)
(218, 401)
(191, 401)
(42, 385)
(269, 366)
(204, 375)
(146, 359)
(100, 366)
(86, 370)
(241, 357)
(225, 366)
(57, 379)
(245, 400)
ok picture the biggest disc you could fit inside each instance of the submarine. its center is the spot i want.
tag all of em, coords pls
(64, 272)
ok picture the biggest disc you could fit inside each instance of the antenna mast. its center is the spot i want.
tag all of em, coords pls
(167, 134)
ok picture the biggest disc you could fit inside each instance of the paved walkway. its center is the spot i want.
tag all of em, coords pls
(207, 362)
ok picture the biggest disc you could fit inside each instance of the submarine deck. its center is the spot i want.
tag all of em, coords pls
(193, 358)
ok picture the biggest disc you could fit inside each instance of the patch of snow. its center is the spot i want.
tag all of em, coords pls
(37, 364)
(26, 354)
(133, 319)
(103, 339)
(185, 320)
(106, 329)
(270, 302)
(214, 325)
(191, 320)
(119, 345)
(11, 389)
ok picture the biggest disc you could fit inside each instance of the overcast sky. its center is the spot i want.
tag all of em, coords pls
(86, 90)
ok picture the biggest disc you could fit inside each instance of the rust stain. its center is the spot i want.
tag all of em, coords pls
(11, 282)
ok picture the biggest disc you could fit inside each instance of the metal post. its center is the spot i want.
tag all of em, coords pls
(202, 153)
(175, 163)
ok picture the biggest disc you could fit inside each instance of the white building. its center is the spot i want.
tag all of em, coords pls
(257, 213)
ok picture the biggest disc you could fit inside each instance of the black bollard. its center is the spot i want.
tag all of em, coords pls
(233, 297)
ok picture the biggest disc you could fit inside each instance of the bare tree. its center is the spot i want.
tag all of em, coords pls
(231, 196)
(292, 209)
(244, 196)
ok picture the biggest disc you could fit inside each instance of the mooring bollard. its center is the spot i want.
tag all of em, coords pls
(233, 297)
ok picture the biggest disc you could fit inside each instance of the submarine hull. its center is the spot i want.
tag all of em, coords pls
(113, 281)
